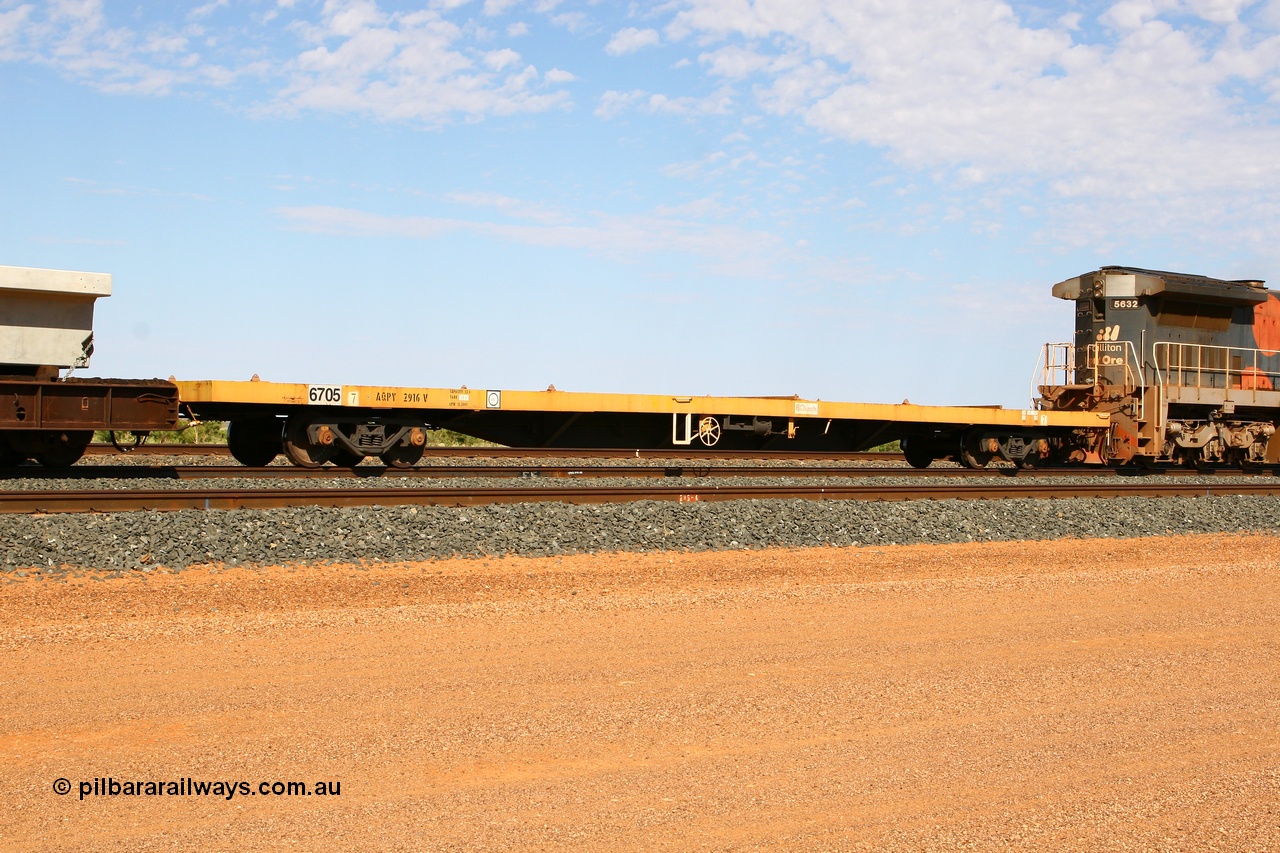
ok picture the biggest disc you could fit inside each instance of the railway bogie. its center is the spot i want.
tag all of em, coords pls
(310, 439)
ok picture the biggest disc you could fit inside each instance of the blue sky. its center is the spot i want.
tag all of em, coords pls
(847, 200)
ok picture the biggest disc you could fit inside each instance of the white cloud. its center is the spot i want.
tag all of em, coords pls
(500, 59)
(574, 22)
(492, 8)
(508, 206)
(630, 40)
(717, 103)
(711, 164)
(612, 102)
(1152, 113)
(207, 9)
(723, 248)
(406, 66)
(735, 61)
(349, 56)
(559, 75)
(12, 24)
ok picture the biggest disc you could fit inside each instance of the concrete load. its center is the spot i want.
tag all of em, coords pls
(46, 317)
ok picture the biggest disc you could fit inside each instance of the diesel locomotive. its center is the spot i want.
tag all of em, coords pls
(1188, 368)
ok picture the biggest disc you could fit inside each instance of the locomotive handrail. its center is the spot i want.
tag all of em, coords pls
(1058, 362)
(1247, 377)
(1134, 379)
(1049, 369)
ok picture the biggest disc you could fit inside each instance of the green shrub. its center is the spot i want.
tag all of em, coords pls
(449, 438)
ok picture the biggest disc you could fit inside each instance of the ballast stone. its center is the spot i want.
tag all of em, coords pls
(178, 540)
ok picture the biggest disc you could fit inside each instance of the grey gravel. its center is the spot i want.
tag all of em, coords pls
(143, 540)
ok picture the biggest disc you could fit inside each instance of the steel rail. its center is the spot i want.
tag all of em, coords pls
(100, 449)
(539, 453)
(375, 472)
(119, 500)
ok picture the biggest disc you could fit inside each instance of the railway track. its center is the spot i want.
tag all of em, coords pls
(537, 453)
(124, 500)
(579, 472)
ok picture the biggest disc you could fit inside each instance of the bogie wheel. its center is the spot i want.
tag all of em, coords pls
(1239, 458)
(402, 456)
(709, 431)
(917, 454)
(10, 458)
(344, 458)
(299, 447)
(64, 449)
(974, 458)
(254, 442)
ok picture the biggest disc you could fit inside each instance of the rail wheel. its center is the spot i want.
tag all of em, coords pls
(344, 458)
(254, 442)
(976, 450)
(9, 458)
(709, 431)
(917, 454)
(299, 447)
(63, 449)
(1238, 457)
(402, 456)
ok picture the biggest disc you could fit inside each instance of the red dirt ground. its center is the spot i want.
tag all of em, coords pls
(1029, 696)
